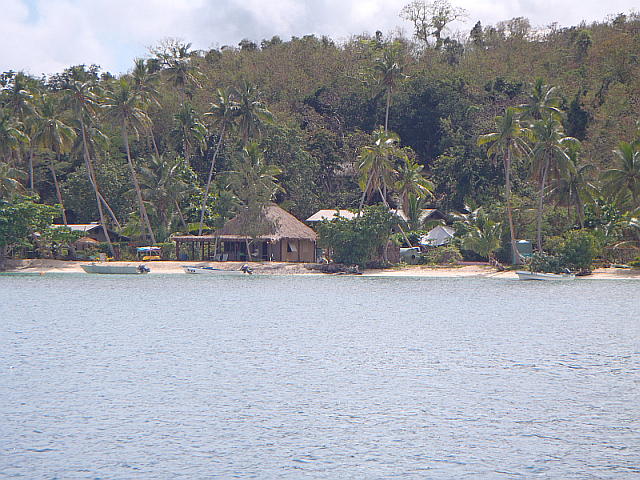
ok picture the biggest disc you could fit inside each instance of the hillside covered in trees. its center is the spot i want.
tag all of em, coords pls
(310, 123)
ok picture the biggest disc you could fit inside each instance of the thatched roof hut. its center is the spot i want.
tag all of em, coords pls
(269, 234)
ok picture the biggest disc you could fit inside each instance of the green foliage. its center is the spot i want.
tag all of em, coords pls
(576, 251)
(357, 241)
(441, 256)
(22, 216)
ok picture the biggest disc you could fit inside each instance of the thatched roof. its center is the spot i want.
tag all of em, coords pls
(275, 224)
(278, 224)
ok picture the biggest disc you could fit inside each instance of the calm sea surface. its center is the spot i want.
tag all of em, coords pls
(191, 376)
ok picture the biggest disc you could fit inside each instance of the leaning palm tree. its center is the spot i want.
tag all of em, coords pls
(506, 142)
(549, 153)
(223, 113)
(55, 135)
(81, 96)
(252, 111)
(625, 178)
(122, 107)
(388, 70)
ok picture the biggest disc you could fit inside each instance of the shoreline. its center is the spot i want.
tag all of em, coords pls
(40, 266)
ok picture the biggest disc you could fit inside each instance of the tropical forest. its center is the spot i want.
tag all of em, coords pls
(512, 132)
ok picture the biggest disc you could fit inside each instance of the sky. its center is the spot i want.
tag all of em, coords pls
(47, 36)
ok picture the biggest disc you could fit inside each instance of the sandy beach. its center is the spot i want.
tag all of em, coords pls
(281, 268)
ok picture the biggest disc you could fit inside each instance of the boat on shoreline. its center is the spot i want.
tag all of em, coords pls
(526, 275)
(244, 270)
(115, 269)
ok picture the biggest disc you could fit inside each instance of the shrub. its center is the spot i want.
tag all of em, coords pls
(440, 256)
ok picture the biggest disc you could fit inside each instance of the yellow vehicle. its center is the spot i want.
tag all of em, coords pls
(149, 253)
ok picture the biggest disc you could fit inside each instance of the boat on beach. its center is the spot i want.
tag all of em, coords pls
(115, 269)
(216, 271)
(526, 275)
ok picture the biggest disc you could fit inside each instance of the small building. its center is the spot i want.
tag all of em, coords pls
(282, 238)
(329, 215)
(437, 236)
(94, 230)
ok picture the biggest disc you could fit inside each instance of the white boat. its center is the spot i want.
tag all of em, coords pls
(115, 269)
(524, 275)
(216, 271)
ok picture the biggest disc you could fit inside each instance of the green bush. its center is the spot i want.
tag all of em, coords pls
(440, 256)
(576, 251)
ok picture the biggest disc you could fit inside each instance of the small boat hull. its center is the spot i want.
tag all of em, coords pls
(214, 271)
(115, 269)
(524, 275)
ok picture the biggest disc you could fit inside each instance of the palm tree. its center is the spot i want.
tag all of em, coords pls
(81, 97)
(388, 70)
(10, 180)
(625, 178)
(377, 164)
(484, 240)
(55, 135)
(549, 154)
(11, 135)
(506, 142)
(573, 188)
(189, 131)
(180, 71)
(223, 114)
(162, 185)
(252, 180)
(410, 180)
(18, 101)
(122, 107)
(252, 111)
(543, 101)
(145, 83)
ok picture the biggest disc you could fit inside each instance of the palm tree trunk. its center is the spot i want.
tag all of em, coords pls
(507, 172)
(186, 229)
(143, 212)
(95, 185)
(206, 192)
(398, 225)
(542, 184)
(31, 168)
(386, 117)
(364, 193)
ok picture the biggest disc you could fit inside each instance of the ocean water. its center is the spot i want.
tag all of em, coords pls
(191, 376)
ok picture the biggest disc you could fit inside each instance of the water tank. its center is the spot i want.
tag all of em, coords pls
(410, 255)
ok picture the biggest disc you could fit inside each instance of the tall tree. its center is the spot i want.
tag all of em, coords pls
(189, 131)
(252, 111)
(410, 180)
(223, 113)
(377, 164)
(430, 19)
(180, 71)
(55, 135)
(543, 101)
(549, 153)
(146, 81)
(506, 142)
(388, 70)
(122, 107)
(80, 95)
(624, 179)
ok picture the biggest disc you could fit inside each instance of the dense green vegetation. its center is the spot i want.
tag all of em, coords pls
(537, 127)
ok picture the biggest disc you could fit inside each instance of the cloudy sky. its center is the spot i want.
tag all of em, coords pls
(46, 36)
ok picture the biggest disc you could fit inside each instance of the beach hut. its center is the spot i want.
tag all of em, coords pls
(273, 235)
(94, 231)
